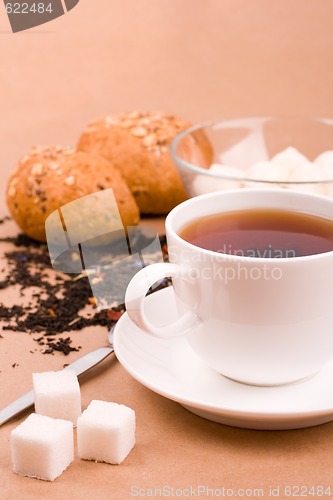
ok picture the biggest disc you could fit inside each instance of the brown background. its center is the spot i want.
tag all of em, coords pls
(200, 59)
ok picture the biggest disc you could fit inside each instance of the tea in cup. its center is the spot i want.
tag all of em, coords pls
(252, 273)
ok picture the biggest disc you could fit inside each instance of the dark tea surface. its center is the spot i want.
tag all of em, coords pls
(266, 233)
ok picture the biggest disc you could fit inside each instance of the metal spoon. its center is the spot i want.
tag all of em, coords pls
(80, 366)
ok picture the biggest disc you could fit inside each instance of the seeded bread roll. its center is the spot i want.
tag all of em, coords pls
(50, 177)
(137, 144)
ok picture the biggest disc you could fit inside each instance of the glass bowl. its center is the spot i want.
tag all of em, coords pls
(261, 152)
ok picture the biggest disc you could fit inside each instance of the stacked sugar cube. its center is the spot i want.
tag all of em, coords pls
(57, 394)
(43, 445)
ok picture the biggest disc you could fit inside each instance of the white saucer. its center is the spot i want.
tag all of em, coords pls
(172, 369)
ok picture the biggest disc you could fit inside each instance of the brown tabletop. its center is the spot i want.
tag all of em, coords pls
(201, 60)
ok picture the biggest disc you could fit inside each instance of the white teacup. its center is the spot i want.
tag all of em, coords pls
(262, 321)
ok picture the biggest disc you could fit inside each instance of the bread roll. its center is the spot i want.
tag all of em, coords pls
(50, 177)
(137, 144)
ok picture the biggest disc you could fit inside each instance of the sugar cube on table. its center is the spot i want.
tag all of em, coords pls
(57, 394)
(106, 432)
(42, 447)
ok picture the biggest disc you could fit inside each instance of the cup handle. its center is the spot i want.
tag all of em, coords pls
(135, 297)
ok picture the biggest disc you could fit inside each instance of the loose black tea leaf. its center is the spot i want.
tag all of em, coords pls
(59, 300)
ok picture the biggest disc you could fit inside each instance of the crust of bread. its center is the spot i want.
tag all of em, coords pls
(137, 145)
(50, 177)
